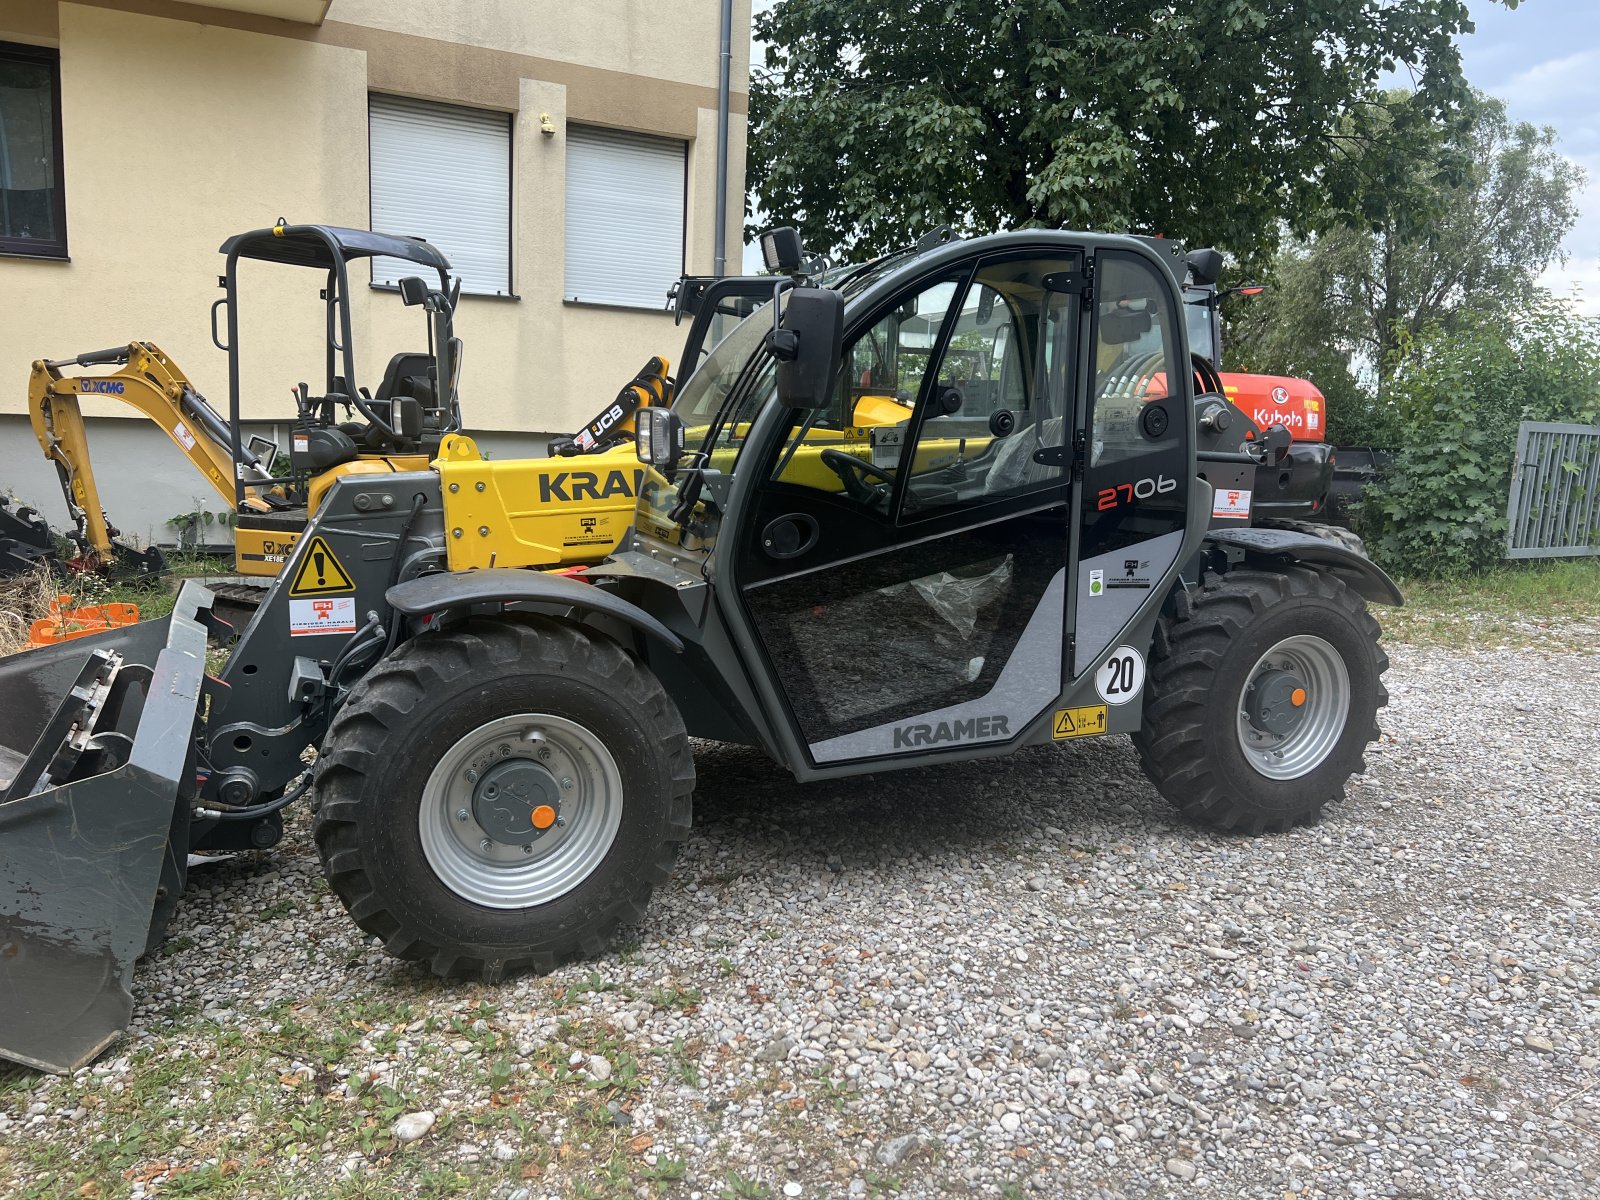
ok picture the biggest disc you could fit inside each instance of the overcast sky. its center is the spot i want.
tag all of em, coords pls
(1543, 60)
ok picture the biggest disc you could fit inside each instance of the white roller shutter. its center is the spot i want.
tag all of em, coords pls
(624, 217)
(444, 173)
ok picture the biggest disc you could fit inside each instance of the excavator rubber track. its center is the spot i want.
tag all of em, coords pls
(98, 748)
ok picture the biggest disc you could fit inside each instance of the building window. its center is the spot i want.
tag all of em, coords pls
(33, 205)
(443, 173)
(624, 217)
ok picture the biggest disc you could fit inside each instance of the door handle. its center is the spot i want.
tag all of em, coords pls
(790, 535)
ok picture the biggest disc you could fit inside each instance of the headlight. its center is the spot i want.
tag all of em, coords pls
(658, 438)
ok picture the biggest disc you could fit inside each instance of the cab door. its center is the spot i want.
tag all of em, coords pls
(904, 569)
(1133, 498)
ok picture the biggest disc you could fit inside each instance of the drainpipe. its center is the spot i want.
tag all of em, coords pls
(721, 238)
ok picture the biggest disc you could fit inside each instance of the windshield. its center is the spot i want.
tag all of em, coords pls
(738, 376)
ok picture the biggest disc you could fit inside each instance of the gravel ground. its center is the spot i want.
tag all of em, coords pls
(1019, 978)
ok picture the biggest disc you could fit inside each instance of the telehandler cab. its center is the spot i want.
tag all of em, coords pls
(1052, 542)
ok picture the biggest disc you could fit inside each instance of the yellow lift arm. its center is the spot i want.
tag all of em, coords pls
(150, 383)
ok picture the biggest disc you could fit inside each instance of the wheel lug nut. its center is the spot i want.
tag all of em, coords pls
(472, 776)
(566, 785)
(486, 844)
(544, 754)
(462, 815)
(528, 849)
(561, 822)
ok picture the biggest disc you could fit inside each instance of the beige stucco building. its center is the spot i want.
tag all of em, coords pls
(567, 152)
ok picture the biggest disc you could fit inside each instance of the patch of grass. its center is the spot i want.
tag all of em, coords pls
(1519, 604)
(740, 1188)
(675, 996)
(594, 983)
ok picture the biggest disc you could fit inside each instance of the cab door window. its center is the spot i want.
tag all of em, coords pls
(995, 423)
(852, 448)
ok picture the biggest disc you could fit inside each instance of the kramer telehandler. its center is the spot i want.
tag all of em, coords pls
(1052, 542)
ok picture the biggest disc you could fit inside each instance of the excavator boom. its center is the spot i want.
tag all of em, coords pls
(150, 383)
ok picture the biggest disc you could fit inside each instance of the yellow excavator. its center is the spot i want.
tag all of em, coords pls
(411, 419)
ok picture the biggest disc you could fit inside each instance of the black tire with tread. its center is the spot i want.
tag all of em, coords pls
(1206, 643)
(422, 699)
(1336, 534)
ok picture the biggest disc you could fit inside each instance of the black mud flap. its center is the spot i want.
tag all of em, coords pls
(97, 771)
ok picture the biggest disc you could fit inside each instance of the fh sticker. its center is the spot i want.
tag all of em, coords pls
(1122, 676)
(333, 614)
(1142, 489)
(1231, 502)
(1134, 574)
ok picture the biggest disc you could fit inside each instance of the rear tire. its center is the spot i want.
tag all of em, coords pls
(552, 715)
(1263, 694)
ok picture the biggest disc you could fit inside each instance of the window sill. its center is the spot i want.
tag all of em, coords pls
(570, 302)
(24, 256)
(465, 295)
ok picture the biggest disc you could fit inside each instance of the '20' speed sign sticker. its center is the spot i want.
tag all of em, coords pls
(1122, 676)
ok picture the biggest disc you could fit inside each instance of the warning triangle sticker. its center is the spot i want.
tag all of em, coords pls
(1064, 725)
(319, 572)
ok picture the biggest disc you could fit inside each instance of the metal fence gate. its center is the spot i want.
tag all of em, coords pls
(1554, 509)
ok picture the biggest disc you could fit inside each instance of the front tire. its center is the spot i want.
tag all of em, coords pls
(1263, 694)
(500, 796)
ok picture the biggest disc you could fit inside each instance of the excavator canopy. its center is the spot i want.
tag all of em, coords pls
(327, 245)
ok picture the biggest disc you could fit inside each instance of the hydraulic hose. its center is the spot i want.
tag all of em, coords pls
(216, 811)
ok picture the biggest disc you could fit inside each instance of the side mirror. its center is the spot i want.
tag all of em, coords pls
(808, 344)
(413, 290)
(658, 438)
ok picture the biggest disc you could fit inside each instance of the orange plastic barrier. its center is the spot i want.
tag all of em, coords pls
(63, 624)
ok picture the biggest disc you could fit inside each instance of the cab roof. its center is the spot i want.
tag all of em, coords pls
(325, 245)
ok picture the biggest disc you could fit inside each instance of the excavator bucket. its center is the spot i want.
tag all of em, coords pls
(97, 779)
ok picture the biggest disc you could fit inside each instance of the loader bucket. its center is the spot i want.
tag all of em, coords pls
(97, 770)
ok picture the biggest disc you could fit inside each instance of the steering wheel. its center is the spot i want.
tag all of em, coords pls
(854, 473)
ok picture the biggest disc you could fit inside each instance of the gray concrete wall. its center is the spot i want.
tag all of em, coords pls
(143, 478)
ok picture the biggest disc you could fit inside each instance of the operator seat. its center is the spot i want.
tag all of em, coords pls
(401, 376)
(1013, 463)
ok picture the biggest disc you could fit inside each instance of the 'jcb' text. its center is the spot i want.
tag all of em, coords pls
(950, 731)
(566, 486)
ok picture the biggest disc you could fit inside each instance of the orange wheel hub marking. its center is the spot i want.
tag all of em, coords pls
(543, 817)
(1298, 697)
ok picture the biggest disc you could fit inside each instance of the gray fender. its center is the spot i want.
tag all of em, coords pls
(506, 585)
(1361, 573)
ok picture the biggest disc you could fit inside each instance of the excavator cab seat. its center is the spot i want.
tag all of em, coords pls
(408, 374)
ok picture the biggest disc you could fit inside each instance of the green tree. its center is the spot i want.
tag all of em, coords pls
(1468, 228)
(1209, 120)
(1459, 395)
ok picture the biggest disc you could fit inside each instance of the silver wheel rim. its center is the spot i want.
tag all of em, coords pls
(1325, 712)
(551, 863)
